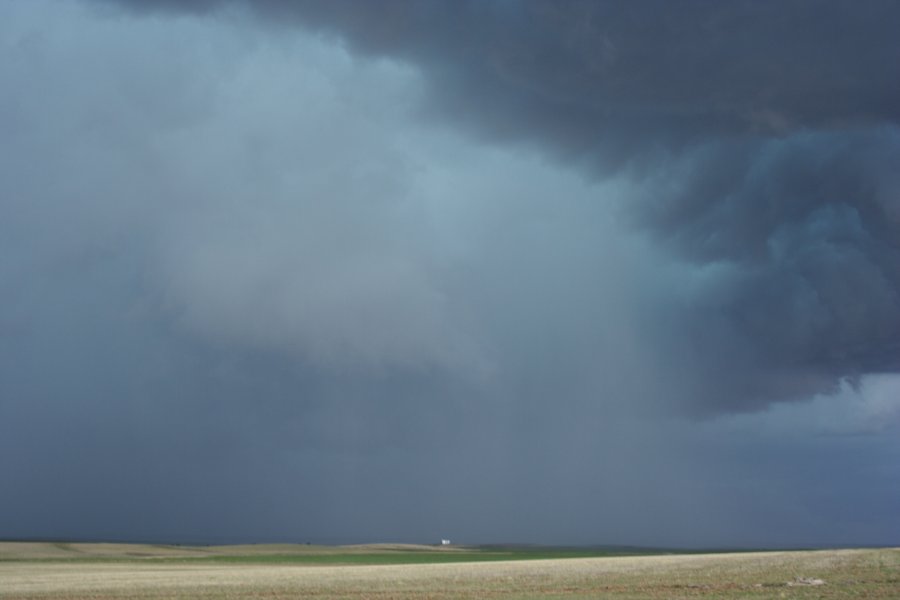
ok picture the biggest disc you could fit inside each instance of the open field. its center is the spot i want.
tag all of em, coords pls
(106, 571)
(297, 554)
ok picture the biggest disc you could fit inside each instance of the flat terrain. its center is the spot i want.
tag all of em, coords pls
(105, 571)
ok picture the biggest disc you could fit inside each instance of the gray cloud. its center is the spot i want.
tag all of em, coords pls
(449, 269)
(645, 71)
(762, 139)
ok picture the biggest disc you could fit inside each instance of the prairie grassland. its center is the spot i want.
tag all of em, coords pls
(844, 573)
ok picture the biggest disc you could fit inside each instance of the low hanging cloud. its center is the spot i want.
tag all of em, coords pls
(761, 140)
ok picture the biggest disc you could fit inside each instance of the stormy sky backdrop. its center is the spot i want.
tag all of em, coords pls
(575, 272)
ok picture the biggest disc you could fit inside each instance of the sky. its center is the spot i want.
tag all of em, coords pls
(516, 271)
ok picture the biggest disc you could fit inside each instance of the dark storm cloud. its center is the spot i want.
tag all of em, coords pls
(448, 269)
(762, 137)
(583, 72)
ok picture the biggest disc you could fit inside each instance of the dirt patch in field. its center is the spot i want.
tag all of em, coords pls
(65, 550)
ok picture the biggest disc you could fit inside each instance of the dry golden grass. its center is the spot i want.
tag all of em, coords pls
(846, 574)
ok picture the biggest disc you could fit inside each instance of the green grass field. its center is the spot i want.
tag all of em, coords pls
(106, 571)
(368, 554)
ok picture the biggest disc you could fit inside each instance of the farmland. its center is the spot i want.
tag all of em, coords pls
(106, 571)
